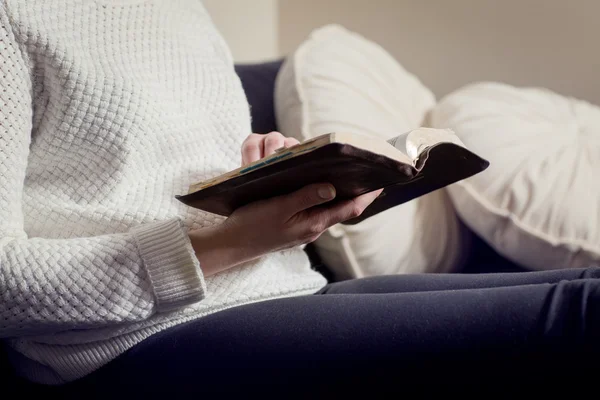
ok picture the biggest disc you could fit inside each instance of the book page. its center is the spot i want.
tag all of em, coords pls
(278, 156)
(414, 142)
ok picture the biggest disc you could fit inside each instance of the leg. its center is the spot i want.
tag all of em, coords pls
(394, 341)
(436, 282)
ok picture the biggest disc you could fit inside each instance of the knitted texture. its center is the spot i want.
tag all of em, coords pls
(108, 109)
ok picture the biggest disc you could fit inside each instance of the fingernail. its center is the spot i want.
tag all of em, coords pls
(326, 192)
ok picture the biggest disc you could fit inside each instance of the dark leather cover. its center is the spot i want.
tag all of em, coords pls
(353, 171)
(438, 166)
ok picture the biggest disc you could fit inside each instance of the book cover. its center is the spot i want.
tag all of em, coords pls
(407, 166)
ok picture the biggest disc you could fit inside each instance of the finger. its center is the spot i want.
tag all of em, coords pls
(363, 202)
(251, 149)
(289, 142)
(327, 216)
(305, 198)
(368, 198)
(273, 141)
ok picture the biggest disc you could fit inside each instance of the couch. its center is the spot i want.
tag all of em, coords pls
(258, 81)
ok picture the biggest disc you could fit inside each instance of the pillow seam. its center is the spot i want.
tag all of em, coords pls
(519, 224)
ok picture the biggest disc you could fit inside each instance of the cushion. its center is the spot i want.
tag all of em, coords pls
(538, 204)
(337, 80)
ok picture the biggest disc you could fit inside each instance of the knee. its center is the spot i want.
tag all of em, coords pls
(592, 272)
(573, 309)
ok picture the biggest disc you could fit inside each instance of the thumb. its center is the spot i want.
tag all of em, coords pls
(307, 197)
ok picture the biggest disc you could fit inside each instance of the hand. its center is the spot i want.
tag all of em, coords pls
(258, 146)
(274, 224)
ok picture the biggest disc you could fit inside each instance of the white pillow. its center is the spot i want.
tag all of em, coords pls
(538, 203)
(339, 81)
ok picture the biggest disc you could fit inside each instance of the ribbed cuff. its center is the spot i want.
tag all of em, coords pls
(171, 263)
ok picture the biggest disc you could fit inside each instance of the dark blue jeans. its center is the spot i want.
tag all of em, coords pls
(389, 332)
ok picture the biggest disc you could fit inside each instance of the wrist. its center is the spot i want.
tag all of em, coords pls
(216, 249)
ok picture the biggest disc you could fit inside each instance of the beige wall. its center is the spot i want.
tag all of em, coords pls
(249, 27)
(448, 43)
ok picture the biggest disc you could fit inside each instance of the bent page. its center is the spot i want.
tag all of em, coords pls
(414, 142)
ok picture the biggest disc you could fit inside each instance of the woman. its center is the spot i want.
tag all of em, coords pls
(109, 108)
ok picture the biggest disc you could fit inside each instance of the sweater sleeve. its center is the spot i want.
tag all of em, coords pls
(52, 285)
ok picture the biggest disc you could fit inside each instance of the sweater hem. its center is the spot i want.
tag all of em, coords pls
(39, 372)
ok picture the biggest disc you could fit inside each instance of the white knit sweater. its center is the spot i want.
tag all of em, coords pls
(108, 109)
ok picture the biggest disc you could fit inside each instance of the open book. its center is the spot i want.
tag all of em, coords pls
(407, 166)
